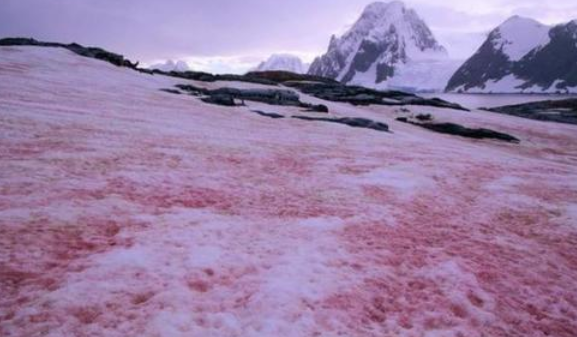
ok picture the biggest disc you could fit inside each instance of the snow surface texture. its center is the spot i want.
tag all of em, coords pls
(171, 65)
(404, 43)
(128, 211)
(283, 62)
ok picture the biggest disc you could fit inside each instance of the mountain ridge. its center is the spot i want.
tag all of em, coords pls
(386, 38)
(522, 56)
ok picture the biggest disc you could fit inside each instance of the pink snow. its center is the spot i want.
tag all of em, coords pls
(128, 211)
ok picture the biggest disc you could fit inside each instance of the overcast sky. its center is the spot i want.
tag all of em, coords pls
(234, 35)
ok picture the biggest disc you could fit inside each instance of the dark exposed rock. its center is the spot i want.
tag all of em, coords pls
(206, 77)
(172, 91)
(424, 117)
(268, 114)
(227, 96)
(92, 52)
(561, 111)
(146, 71)
(269, 96)
(219, 99)
(434, 102)
(459, 130)
(353, 122)
(261, 77)
(285, 76)
(316, 108)
(356, 95)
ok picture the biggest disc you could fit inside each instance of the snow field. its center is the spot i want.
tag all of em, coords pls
(127, 211)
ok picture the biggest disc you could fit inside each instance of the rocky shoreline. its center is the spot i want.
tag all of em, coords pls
(560, 111)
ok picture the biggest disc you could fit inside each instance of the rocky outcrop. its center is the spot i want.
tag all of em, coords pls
(207, 77)
(92, 52)
(220, 99)
(350, 121)
(356, 95)
(269, 96)
(280, 77)
(268, 114)
(562, 111)
(462, 131)
(318, 108)
(229, 96)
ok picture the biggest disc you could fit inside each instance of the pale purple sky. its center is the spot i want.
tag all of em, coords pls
(234, 35)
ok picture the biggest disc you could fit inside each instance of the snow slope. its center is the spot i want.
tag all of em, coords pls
(128, 211)
(283, 62)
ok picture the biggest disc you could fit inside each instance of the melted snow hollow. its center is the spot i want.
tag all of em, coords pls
(128, 211)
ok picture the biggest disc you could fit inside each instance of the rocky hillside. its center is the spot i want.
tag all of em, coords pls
(522, 56)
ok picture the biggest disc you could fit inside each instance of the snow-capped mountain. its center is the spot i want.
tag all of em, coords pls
(284, 62)
(171, 65)
(522, 55)
(389, 46)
